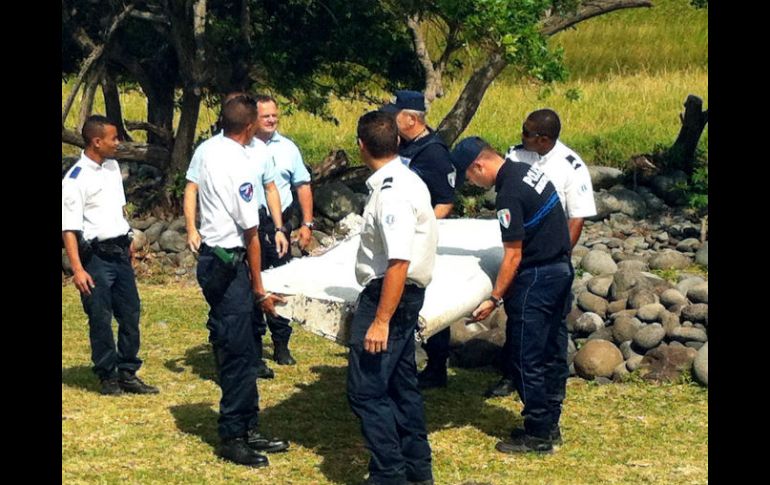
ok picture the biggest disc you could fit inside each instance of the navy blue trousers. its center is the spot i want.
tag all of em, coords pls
(382, 391)
(231, 336)
(535, 352)
(115, 293)
(280, 328)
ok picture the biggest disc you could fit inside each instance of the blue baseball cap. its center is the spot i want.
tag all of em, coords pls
(405, 99)
(463, 154)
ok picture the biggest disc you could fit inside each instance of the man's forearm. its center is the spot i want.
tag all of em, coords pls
(508, 267)
(575, 225)
(71, 247)
(254, 258)
(392, 289)
(305, 198)
(443, 210)
(274, 204)
(190, 205)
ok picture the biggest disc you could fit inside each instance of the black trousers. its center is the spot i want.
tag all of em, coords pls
(115, 294)
(230, 333)
(280, 327)
(382, 391)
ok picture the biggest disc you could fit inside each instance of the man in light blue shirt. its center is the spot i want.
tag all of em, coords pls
(290, 173)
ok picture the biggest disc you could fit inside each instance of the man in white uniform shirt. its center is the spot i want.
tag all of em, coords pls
(394, 264)
(568, 173)
(267, 194)
(229, 274)
(97, 240)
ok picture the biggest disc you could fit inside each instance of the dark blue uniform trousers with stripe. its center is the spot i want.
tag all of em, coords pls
(383, 393)
(114, 293)
(231, 336)
(535, 350)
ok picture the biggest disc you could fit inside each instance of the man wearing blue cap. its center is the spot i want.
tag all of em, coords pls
(426, 154)
(533, 283)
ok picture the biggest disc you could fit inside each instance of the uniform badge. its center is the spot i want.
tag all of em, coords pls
(504, 216)
(451, 178)
(390, 219)
(406, 161)
(247, 191)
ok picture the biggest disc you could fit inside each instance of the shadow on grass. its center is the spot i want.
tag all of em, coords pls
(80, 376)
(200, 359)
(197, 419)
(318, 417)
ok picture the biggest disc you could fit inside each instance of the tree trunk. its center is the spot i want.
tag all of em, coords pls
(87, 99)
(694, 119)
(185, 135)
(463, 110)
(112, 106)
(133, 152)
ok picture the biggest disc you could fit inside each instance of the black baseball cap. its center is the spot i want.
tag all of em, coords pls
(405, 99)
(463, 154)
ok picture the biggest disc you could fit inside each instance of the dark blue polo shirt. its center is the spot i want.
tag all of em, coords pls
(529, 210)
(428, 157)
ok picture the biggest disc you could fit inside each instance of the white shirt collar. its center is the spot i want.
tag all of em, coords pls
(375, 179)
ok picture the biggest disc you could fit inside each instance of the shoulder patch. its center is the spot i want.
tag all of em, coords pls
(451, 178)
(573, 161)
(387, 179)
(75, 172)
(385, 187)
(504, 216)
(247, 191)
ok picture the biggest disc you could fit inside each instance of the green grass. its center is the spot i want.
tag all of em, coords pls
(620, 433)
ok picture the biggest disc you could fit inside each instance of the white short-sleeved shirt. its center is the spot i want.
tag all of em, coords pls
(257, 150)
(289, 167)
(93, 199)
(568, 173)
(227, 182)
(399, 223)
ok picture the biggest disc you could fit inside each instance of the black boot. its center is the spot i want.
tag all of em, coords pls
(110, 387)
(525, 444)
(130, 383)
(257, 441)
(263, 371)
(281, 353)
(504, 387)
(237, 451)
(432, 376)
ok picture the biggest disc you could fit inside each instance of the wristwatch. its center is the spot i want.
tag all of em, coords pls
(497, 301)
(310, 225)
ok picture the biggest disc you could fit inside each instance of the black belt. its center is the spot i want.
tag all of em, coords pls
(114, 246)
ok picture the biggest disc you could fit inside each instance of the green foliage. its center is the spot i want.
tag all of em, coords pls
(670, 274)
(573, 94)
(176, 190)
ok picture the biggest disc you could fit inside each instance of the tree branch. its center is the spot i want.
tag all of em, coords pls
(133, 152)
(586, 10)
(159, 131)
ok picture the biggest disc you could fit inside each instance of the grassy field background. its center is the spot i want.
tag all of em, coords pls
(630, 74)
(614, 434)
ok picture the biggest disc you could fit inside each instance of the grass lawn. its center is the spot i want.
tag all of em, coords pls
(629, 433)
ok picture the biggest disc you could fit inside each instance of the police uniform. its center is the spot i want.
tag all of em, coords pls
(92, 203)
(535, 354)
(399, 223)
(228, 206)
(567, 172)
(290, 172)
(429, 158)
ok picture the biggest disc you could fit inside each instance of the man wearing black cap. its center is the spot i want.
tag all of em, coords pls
(423, 151)
(533, 282)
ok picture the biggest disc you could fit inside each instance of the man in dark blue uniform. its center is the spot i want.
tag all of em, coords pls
(97, 239)
(394, 264)
(229, 275)
(533, 283)
(426, 154)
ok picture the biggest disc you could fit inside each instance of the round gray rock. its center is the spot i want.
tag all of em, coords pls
(670, 322)
(624, 329)
(633, 243)
(617, 306)
(633, 265)
(650, 312)
(696, 312)
(172, 241)
(670, 259)
(689, 245)
(620, 373)
(702, 256)
(336, 200)
(177, 225)
(689, 334)
(699, 293)
(672, 297)
(634, 362)
(600, 285)
(154, 231)
(640, 297)
(592, 303)
(143, 224)
(627, 350)
(649, 336)
(604, 333)
(597, 358)
(140, 240)
(588, 323)
(690, 282)
(604, 177)
(700, 366)
(598, 262)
